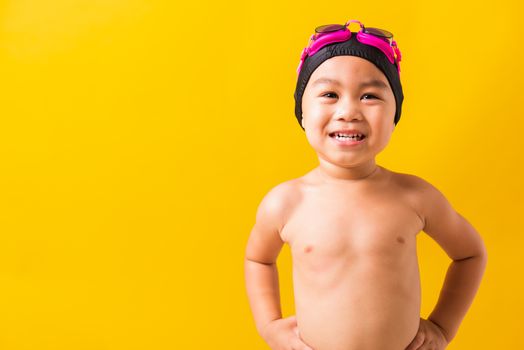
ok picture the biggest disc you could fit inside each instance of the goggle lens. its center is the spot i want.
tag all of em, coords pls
(378, 32)
(328, 28)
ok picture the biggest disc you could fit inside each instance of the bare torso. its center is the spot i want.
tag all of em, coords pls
(355, 269)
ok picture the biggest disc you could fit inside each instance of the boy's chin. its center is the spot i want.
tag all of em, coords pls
(347, 162)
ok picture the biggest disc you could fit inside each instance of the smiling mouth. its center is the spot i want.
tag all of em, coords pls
(347, 137)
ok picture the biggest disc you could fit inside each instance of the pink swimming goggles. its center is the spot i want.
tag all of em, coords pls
(334, 33)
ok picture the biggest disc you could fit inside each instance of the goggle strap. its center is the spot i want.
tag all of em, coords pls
(397, 51)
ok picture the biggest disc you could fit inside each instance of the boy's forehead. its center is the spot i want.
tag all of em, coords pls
(345, 69)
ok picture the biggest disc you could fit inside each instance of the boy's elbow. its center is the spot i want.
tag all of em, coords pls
(252, 259)
(483, 253)
(479, 254)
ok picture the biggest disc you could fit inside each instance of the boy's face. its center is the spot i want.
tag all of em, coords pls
(348, 105)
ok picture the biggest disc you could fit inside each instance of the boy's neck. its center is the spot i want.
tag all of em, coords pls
(333, 172)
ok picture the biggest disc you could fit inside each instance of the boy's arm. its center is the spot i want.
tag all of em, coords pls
(464, 245)
(263, 246)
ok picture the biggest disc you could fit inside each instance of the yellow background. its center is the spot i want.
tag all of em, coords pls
(138, 137)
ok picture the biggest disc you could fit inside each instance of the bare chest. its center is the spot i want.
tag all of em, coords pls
(334, 224)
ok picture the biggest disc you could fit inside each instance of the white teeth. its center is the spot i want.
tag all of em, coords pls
(355, 137)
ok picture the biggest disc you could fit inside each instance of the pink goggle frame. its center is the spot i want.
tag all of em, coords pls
(334, 33)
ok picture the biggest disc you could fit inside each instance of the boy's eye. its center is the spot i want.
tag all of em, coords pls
(329, 94)
(334, 95)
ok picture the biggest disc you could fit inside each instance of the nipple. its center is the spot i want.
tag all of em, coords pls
(308, 249)
(400, 239)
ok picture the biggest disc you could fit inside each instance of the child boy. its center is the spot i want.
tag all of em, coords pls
(352, 224)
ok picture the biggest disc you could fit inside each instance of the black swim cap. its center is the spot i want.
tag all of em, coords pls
(351, 47)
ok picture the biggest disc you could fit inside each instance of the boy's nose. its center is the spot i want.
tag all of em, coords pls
(348, 113)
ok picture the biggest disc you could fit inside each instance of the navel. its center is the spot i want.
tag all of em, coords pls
(400, 239)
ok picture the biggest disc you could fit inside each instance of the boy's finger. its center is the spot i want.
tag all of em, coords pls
(416, 342)
(304, 347)
(298, 345)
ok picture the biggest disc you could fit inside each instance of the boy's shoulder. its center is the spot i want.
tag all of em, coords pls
(411, 183)
(282, 195)
(278, 203)
(428, 200)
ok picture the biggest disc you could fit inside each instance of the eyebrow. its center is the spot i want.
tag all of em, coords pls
(370, 83)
